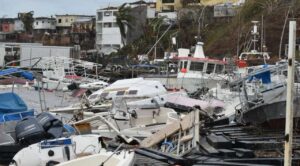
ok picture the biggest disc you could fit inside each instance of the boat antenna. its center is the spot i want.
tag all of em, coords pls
(200, 23)
(255, 33)
(282, 33)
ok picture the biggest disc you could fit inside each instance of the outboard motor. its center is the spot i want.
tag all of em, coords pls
(29, 131)
(52, 126)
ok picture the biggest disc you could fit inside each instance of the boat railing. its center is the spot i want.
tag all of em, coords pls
(16, 116)
(37, 61)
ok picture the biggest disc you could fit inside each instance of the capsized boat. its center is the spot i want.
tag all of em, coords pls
(264, 97)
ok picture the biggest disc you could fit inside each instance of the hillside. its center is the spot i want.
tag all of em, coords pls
(221, 38)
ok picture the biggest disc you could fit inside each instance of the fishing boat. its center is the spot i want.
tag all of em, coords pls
(195, 71)
(263, 100)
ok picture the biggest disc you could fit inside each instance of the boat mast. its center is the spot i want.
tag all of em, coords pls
(290, 94)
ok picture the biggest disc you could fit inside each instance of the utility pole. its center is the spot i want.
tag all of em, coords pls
(289, 99)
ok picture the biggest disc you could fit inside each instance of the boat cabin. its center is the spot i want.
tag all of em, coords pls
(198, 63)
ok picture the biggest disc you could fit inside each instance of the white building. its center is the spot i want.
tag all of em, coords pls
(43, 24)
(19, 26)
(108, 36)
(64, 22)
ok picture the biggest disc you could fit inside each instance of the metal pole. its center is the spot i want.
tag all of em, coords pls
(157, 41)
(289, 99)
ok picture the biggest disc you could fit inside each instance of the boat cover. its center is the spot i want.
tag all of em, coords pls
(11, 103)
(264, 76)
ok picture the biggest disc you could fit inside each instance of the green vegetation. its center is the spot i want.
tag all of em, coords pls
(220, 35)
(27, 19)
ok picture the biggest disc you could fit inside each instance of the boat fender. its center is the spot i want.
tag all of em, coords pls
(67, 151)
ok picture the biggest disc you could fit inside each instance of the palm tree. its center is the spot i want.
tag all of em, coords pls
(27, 19)
(124, 20)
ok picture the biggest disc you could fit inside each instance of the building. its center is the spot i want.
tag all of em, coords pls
(224, 10)
(64, 22)
(108, 36)
(172, 5)
(83, 33)
(44, 24)
(18, 25)
(7, 25)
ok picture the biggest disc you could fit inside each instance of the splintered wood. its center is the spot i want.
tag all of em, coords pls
(170, 129)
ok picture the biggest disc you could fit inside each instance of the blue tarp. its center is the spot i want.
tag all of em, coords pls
(12, 107)
(11, 103)
(25, 74)
(264, 76)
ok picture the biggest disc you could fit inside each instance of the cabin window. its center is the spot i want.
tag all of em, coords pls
(210, 68)
(219, 69)
(196, 66)
(132, 92)
(185, 63)
(120, 93)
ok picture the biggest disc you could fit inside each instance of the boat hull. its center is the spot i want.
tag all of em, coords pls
(190, 84)
(268, 113)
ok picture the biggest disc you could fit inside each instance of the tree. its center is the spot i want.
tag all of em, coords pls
(27, 19)
(123, 20)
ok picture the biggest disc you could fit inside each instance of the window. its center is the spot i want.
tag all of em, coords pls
(67, 20)
(43, 22)
(167, 1)
(219, 69)
(185, 64)
(120, 93)
(115, 13)
(59, 20)
(210, 68)
(37, 23)
(132, 92)
(197, 66)
(107, 13)
(107, 25)
(100, 16)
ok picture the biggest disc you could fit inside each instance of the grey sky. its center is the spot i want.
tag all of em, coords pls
(10, 8)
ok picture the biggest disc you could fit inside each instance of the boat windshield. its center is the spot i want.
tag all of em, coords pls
(196, 66)
(219, 69)
(210, 68)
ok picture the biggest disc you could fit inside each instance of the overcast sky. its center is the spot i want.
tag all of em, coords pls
(10, 8)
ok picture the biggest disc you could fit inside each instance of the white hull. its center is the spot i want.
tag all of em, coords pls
(190, 84)
(124, 158)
